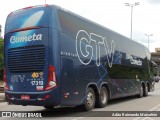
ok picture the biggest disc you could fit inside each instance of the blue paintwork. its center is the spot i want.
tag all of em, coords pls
(77, 67)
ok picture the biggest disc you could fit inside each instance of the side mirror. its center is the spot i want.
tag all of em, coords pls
(157, 78)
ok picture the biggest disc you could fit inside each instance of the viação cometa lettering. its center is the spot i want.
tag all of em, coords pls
(29, 38)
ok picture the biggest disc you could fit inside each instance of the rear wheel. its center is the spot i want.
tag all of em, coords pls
(141, 92)
(89, 100)
(146, 91)
(103, 98)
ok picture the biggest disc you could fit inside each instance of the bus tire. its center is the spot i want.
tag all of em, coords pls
(90, 99)
(103, 98)
(146, 91)
(141, 92)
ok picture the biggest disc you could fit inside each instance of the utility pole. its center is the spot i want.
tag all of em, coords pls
(132, 5)
(148, 35)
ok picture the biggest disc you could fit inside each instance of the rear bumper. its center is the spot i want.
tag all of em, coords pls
(46, 98)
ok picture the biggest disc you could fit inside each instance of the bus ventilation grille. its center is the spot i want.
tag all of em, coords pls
(26, 59)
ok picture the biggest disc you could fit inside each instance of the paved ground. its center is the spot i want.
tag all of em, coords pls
(2, 97)
(129, 104)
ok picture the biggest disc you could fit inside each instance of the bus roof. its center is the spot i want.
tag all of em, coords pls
(89, 25)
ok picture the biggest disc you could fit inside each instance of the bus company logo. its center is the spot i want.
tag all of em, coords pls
(88, 45)
(136, 62)
(36, 75)
(17, 78)
(34, 37)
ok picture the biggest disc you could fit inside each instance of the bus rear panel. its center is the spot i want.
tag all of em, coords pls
(31, 78)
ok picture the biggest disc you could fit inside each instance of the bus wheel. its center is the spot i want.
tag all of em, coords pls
(146, 91)
(141, 92)
(90, 100)
(103, 98)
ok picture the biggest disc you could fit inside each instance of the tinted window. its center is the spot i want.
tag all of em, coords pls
(26, 18)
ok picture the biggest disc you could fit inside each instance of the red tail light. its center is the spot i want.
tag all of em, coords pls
(52, 82)
(5, 80)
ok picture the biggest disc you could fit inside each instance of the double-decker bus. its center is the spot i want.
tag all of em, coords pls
(54, 57)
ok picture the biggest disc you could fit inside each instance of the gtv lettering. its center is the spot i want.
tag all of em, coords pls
(85, 49)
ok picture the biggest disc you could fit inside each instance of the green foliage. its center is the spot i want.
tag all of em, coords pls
(1, 57)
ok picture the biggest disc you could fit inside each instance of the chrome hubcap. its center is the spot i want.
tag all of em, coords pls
(103, 97)
(141, 91)
(90, 99)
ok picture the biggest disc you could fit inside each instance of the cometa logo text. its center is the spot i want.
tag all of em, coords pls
(29, 38)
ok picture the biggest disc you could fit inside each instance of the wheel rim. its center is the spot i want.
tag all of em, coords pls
(141, 91)
(146, 90)
(90, 99)
(103, 96)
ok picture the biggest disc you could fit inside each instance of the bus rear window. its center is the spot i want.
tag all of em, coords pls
(37, 16)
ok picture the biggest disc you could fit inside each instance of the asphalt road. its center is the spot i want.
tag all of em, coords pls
(117, 107)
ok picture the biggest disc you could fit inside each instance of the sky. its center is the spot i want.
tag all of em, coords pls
(112, 14)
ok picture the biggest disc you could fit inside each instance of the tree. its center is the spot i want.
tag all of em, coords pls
(1, 57)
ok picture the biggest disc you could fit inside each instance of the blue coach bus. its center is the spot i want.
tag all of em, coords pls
(54, 57)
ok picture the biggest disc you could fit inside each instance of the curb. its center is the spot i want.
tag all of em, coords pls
(2, 100)
(1, 90)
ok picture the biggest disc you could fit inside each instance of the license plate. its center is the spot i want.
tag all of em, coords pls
(25, 97)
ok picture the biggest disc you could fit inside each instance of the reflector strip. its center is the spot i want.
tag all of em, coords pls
(27, 28)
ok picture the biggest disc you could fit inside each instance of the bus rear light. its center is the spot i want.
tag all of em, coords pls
(52, 82)
(5, 80)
